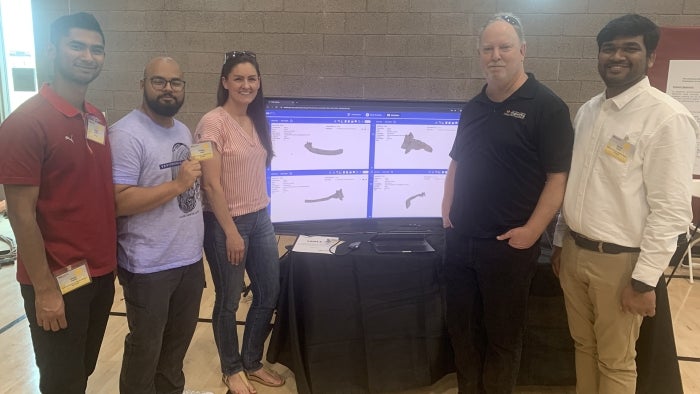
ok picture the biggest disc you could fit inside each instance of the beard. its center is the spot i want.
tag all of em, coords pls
(163, 109)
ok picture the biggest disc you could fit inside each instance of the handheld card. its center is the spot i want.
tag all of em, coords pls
(201, 151)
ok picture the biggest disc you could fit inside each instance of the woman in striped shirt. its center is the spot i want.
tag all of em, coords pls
(238, 232)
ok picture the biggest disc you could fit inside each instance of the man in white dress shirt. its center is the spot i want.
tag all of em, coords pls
(627, 199)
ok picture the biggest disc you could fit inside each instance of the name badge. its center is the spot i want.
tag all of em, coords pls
(72, 277)
(619, 149)
(95, 130)
(201, 151)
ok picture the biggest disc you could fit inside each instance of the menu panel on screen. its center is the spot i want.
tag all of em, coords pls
(353, 159)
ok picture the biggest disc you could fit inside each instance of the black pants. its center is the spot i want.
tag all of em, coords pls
(487, 284)
(162, 309)
(67, 357)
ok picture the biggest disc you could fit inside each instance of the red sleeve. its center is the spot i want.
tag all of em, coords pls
(22, 150)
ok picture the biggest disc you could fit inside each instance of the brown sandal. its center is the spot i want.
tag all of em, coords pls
(260, 379)
(243, 378)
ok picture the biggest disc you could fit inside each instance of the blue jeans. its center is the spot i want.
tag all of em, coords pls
(261, 261)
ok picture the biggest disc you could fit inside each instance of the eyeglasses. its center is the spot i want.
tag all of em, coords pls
(159, 83)
(510, 19)
(235, 54)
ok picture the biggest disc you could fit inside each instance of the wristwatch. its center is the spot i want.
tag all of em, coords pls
(641, 287)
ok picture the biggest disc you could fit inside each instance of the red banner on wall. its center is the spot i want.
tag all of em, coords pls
(677, 43)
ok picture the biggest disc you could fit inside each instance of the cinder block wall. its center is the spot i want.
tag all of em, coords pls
(371, 49)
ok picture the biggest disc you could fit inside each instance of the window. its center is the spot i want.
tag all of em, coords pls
(17, 56)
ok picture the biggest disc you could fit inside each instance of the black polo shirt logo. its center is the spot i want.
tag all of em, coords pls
(514, 114)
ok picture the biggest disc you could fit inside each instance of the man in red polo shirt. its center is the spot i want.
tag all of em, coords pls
(55, 164)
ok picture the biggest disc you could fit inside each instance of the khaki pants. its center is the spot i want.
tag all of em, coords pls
(604, 336)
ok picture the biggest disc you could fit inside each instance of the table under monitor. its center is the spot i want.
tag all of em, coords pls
(368, 323)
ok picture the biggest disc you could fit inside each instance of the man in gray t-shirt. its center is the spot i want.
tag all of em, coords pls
(159, 230)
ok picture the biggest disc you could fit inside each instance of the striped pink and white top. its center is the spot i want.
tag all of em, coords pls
(242, 162)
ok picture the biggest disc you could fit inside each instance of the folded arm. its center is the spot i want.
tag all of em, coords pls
(132, 199)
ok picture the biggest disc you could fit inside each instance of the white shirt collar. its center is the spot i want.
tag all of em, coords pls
(633, 91)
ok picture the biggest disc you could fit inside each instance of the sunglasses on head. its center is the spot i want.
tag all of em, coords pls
(235, 54)
(510, 19)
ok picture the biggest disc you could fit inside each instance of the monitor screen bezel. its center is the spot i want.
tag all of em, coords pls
(350, 225)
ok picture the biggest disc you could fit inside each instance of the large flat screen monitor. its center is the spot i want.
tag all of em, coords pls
(358, 159)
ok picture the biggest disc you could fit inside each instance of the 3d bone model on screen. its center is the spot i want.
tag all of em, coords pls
(408, 200)
(338, 194)
(410, 143)
(328, 152)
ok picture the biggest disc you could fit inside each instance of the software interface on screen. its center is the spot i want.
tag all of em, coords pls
(337, 159)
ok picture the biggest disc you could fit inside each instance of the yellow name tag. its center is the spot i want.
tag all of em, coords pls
(95, 130)
(619, 149)
(73, 277)
(201, 151)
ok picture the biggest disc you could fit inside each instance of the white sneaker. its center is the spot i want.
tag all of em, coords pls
(188, 391)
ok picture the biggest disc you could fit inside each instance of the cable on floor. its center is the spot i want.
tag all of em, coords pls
(9, 256)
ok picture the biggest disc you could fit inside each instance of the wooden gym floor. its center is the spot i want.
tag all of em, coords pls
(202, 365)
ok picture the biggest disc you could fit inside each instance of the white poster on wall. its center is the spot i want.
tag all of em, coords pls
(684, 85)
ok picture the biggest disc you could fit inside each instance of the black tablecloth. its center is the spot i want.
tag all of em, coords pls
(364, 323)
(657, 359)
(360, 323)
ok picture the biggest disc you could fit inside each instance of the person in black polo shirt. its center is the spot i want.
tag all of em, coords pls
(504, 185)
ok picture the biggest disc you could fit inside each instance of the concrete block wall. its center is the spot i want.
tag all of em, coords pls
(370, 49)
